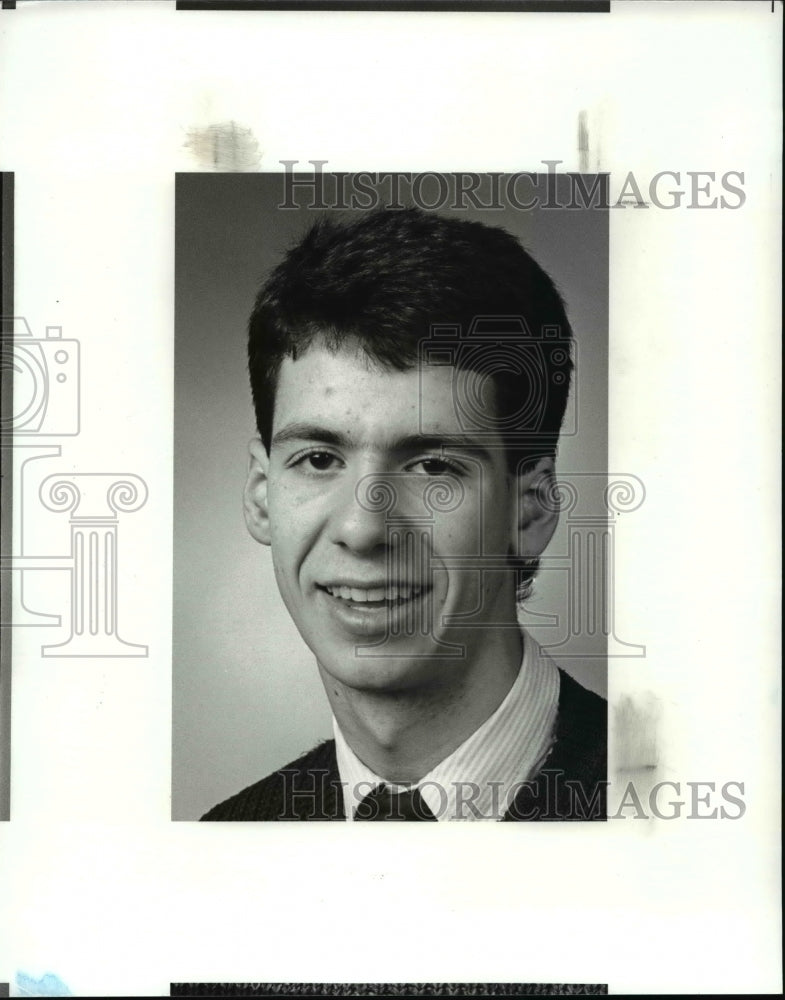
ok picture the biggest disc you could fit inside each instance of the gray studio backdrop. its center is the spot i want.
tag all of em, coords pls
(246, 693)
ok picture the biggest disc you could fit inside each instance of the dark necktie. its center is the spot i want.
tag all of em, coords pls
(385, 804)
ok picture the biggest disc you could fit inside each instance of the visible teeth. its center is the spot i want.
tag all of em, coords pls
(374, 594)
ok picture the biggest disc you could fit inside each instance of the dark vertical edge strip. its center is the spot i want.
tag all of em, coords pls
(6, 482)
(177, 232)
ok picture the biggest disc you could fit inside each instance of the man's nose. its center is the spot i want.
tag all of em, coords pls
(360, 519)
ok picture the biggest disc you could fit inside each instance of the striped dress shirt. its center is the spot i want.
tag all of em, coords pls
(479, 779)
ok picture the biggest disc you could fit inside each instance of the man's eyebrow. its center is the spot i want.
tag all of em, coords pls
(409, 444)
(308, 432)
(439, 442)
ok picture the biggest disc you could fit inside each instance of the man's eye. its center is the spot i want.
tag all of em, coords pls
(437, 467)
(319, 461)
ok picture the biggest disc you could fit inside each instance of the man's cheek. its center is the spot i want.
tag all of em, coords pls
(461, 532)
(282, 578)
(496, 530)
(279, 577)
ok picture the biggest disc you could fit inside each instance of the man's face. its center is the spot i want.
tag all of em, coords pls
(369, 515)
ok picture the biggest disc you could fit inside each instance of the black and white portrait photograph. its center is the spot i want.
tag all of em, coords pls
(364, 617)
(390, 432)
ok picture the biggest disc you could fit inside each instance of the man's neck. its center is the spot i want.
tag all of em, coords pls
(403, 735)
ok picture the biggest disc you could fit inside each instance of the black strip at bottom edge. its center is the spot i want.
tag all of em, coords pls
(387, 989)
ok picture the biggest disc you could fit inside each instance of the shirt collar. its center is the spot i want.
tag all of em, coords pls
(479, 779)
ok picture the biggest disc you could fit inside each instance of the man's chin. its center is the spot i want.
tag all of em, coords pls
(383, 672)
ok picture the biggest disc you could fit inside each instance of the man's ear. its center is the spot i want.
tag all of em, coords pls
(257, 518)
(537, 508)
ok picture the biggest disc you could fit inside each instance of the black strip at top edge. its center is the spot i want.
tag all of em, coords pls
(425, 6)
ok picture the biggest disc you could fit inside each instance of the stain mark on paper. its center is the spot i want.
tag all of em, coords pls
(583, 142)
(49, 985)
(224, 147)
(636, 736)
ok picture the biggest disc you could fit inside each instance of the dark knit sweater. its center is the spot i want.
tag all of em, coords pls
(571, 784)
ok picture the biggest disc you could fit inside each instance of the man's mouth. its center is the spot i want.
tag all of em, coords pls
(376, 610)
(387, 596)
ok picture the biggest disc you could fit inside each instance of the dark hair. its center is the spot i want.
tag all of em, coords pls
(387, 278)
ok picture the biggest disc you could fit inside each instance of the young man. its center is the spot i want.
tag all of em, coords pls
(410, 374)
